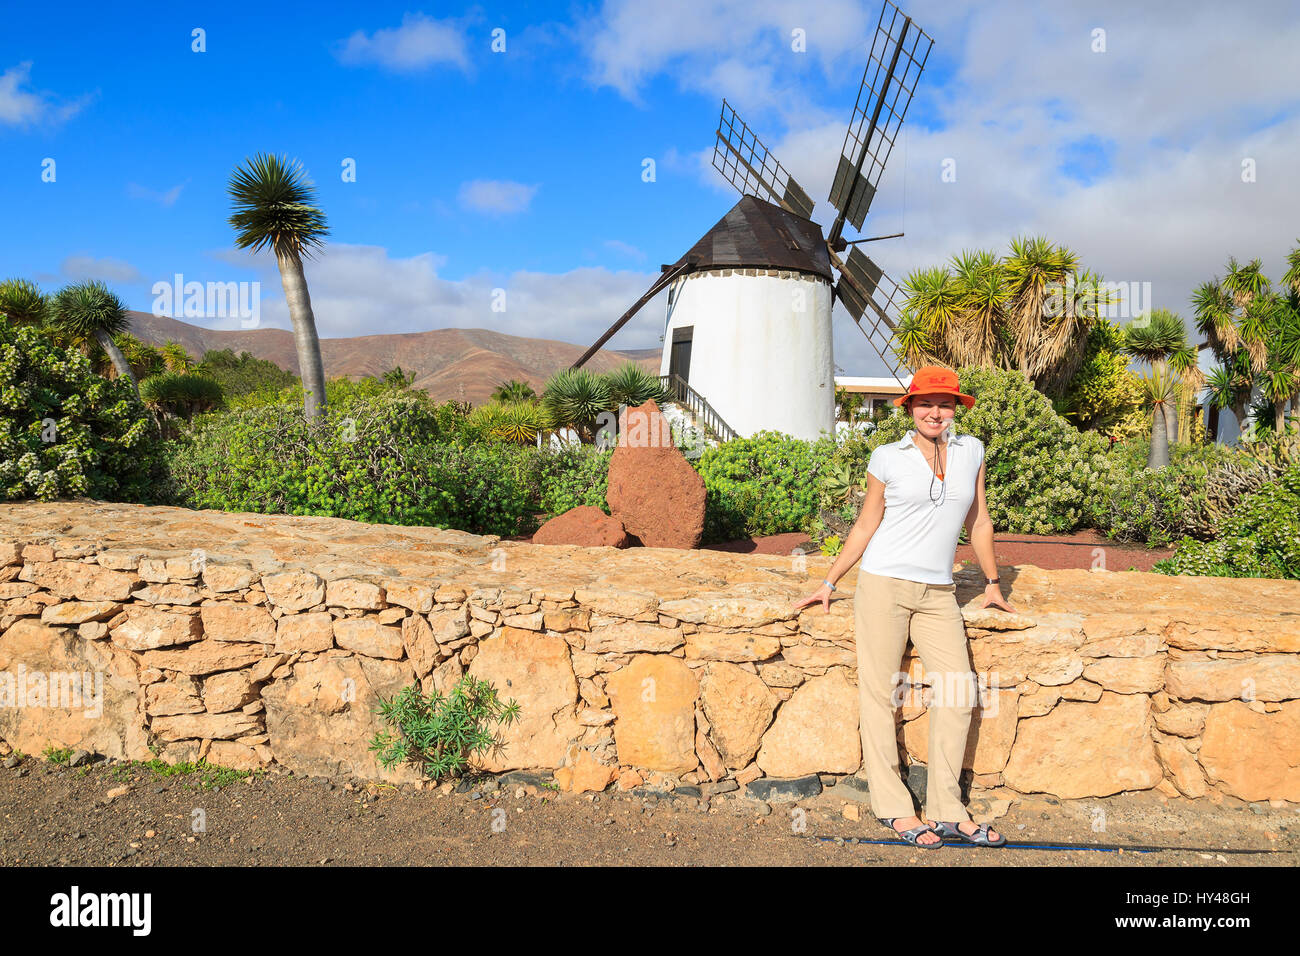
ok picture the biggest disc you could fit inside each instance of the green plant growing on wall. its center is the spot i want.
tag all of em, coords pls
(440, 733)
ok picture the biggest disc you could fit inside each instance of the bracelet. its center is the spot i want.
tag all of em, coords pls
(826, 581)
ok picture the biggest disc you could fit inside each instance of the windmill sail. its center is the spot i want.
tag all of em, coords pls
(746, 163)
(898, 55)
(866, 290)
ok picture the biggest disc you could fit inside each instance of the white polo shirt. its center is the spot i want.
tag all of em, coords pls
(917, 537)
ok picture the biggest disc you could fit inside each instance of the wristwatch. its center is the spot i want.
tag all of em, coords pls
(826, 581)
(988, 581)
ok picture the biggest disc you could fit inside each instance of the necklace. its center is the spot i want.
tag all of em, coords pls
(935, 472)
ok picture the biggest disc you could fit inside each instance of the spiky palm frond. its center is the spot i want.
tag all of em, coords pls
(517, 422)
(1292, 277)
(1213, 307)
(1256, 323)
(513, 391)
(1245, 282)
(86, 308)
(632, 385)
(275, 206)
(22, 302)
(574, 398)
(911, 342)
(180, 393)
(175, 357)
(1157, 338)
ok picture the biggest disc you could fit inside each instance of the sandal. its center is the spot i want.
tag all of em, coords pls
(980, 837)
(911, 835)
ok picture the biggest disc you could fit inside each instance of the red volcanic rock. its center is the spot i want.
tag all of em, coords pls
(652, 487)
(584, 525)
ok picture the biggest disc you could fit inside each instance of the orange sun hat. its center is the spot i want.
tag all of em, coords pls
(934, 378)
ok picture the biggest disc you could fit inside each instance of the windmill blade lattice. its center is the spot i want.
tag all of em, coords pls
(898, 55)
(867, 291)
(746, 163)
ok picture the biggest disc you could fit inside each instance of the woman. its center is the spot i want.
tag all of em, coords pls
(920, 490)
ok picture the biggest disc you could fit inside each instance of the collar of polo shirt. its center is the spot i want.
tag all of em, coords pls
(952, 439)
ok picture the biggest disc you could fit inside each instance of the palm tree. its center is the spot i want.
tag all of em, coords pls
(574, 398)
(630, 384)
(1254, 333)
(983, 311)
(89, 311)
(178, 395)
(513, 391)
(1162, 343)
(274, 205)
(22, 302)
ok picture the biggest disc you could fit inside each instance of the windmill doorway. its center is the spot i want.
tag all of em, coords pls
(679, 359)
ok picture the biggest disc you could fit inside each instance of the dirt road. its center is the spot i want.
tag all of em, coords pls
(53, 815)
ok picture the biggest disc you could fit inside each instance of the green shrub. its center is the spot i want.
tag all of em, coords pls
(1261, 539)
(65, 431)
(571, 477)
(394, 458)
(1160, 505)
(440, 733)
(244, 374)
(1103, 393)
(764, 484)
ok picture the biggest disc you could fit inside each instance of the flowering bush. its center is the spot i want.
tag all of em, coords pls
(66, 431)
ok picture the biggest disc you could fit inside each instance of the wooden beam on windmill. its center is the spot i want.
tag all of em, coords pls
(655, 288)
(907, 47)
(748, 165)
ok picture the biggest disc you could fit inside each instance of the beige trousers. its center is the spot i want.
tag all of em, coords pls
(885, 611)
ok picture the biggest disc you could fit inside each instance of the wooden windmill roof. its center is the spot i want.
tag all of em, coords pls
(757, 234)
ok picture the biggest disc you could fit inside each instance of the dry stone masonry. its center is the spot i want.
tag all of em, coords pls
(264, 641)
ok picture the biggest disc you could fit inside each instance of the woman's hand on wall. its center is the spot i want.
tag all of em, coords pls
(993, 598)
(822, 594)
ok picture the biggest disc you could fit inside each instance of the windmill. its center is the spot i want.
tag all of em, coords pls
(743, 353)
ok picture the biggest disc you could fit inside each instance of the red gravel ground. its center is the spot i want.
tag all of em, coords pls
(1051, 552)
(1083, 549)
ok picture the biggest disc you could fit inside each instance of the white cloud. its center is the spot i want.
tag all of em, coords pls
(362, 290)
(164, 198)
(740, 49)
(420, 42)
(78, 268)
(20, 107)
(496, 196)
(1180, 97)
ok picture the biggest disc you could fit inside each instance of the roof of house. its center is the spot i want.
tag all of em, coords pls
(756, 234)
(887, 385)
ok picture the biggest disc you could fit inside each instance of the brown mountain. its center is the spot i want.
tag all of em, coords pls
(461, 364)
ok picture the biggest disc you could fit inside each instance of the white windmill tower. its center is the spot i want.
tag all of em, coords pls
(747, 338)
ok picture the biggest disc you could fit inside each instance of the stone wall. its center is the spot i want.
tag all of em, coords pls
(255, 640)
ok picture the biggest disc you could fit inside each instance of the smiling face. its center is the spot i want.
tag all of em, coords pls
(932, 413)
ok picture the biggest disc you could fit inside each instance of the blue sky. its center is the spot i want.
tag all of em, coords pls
(522, 170)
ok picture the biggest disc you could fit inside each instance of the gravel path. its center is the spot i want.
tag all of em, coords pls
(54, 815)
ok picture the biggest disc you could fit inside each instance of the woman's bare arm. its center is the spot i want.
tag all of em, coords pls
(855, 542)
(980, 528)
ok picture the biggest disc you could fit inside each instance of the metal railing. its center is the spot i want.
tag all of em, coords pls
(704, 413)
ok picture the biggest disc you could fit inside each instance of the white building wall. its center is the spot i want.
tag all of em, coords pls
(761, 350)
